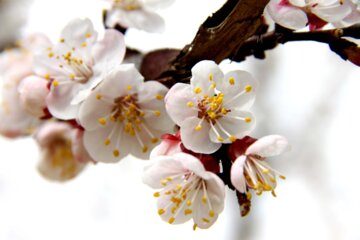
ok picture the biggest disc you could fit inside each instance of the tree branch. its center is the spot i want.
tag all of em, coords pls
(218, 38)
(257, 45)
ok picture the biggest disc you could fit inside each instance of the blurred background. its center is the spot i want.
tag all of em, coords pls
(306, 93)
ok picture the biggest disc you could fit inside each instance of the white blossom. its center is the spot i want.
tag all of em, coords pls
(187, 190)
(139, 14)
(297, 14)
(15, 65)
(250, 170)
(124, 115)
(76, 64)
(212, 109)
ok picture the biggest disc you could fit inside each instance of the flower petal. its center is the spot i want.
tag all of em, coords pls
(160, 168)
(287, 16)
(151, 101)
(204, 75)
(237, 174)
(239, 89)
(109, 52)
(156, 4)
(176, 103)
(139, 19)
(197, 141)
(77, 32)
(269, 146)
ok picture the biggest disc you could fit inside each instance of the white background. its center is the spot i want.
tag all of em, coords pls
(307, 94)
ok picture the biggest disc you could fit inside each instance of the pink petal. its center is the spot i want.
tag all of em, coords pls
(237, 174)
(269, 146)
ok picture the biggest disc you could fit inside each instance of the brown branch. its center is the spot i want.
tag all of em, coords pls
(257, 45)
(218, 38)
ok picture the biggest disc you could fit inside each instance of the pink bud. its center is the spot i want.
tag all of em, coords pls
(33, 91)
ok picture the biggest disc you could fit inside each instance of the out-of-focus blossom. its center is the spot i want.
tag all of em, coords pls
(76, 64)
(188, 190)
(137, 14)
(15, 65)
(12, 16)
(62, 154)
(249, 169)
(124, 115)
(296, 14)
(212, 109)
(33, 91)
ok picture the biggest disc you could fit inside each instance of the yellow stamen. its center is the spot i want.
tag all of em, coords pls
(248, 120)
(198, 127)
(107, 142)
(145, 149)
(248, 88)
(188, 202)
(190, 104)
(102, 121)
(204, 199)
(219, 138)
(171, 220)
(154, 140)
(88, 35)
(159, 97)
(210, 77)
(62, 40)
(83, 45)
(47, 76)
(232, 81)
(156, 194)
(197, 90)
(116, 153)
(161, 211)
(98, 96)
(194, 226)
(232, 138)
(187, 211)
(157, 113)
(55, 83)
(211, 213)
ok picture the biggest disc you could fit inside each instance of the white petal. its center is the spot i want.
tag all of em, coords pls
(109, 52)
(216, 192)
(332, 13)
(269, 146)
(191, 163)
(93, 109)
(176, 102)
(237, 174)
(204, 75)
(164, 202)
(139, 19)
(287, 16)
(197, 141)
(77, 32)
(148, 101)
(156, 4)
(160, 168)
(94, 142)
(166, 147)
(121, 81)
(239, 89)
(59, 101)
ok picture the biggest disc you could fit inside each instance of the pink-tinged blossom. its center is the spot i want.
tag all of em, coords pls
(15, 65)
(297, 14)
(139, 14)
(62, 155)
(213, 108)
(124, 115)
(250, 169)
(188, 190)
(33, 91)
(76, 64)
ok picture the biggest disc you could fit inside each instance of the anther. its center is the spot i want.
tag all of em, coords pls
(116, 153)
(98, 96)
(198, 127)
(248, 88)
(157, 113)
(55, 83)
(219, 138)
(171, 220)
(187, 211)
(154, 140)
(145, 149)
(211, 213)
(161, 211)
(210, 77)
(232, 138)
(159, 97)
(248, 120)
(102, 121)
(190, 104)
(157, 194)
(204, 199)
(197, 90)
(232, 81)
(107, 142)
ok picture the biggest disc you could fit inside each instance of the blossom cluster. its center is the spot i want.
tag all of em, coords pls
(84, 104)
(297, 14)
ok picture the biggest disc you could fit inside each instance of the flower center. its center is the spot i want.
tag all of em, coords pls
(182, 191)
(126, 110)
(210, 108)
